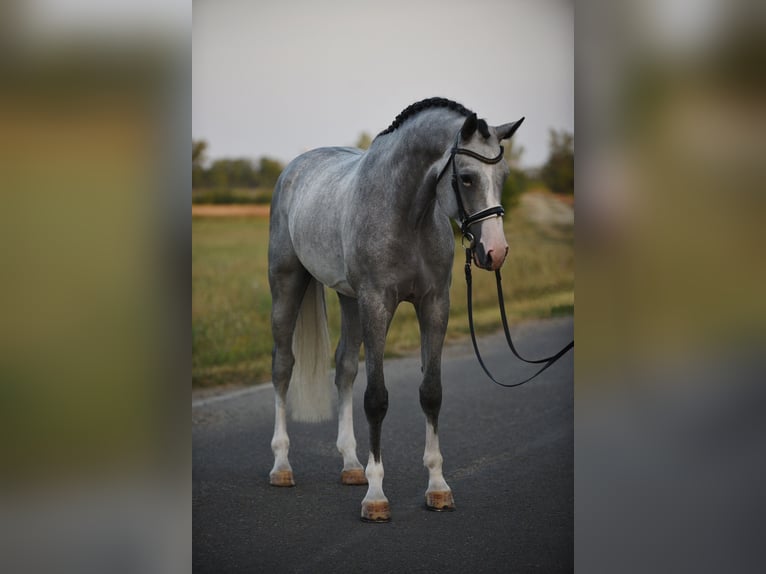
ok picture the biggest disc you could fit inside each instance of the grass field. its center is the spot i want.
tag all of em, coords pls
(231, 303)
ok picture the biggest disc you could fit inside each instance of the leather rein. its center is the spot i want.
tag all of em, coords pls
(466, 221)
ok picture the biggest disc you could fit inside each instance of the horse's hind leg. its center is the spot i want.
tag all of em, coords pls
(288, 285)
(346, 366)
(433, 312)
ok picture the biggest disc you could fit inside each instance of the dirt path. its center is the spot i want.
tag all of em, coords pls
(544, 207)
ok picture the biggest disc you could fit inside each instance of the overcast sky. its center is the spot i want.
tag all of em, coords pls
(278, 77)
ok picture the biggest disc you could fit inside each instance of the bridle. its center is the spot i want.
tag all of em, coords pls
(466, 221)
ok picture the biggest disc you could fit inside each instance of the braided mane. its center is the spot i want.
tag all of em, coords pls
(417, 107)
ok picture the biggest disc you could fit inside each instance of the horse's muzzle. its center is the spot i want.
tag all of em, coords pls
(490, 260)
(490, 247)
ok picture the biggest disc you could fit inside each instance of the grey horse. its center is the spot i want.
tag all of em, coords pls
(375, 227)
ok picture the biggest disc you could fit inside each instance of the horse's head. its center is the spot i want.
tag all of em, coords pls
(472, 196)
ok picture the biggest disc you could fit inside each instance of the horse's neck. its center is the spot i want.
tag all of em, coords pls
(424, 139)
(413, 159)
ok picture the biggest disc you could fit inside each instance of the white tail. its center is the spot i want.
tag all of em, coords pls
(310, 394)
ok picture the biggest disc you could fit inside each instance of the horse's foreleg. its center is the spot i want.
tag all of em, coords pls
(375, 314)
(346, 366)
(287, 294)
(433, 314)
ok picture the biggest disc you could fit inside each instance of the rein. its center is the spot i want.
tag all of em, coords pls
(466, 221)
(469, 294)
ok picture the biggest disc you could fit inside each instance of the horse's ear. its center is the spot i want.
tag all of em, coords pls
(507, 130)
(469, 127)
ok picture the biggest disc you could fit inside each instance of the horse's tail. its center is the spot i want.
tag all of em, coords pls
(310, 394)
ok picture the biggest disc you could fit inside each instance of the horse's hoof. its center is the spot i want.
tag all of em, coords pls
(440, 501)
(376, 511)
(281, 478)
(353, 477)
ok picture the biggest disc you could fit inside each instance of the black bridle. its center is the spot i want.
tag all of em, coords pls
(466, 221)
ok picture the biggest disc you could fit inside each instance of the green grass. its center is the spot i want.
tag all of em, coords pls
(231, 338)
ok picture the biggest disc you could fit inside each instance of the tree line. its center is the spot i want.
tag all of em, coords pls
(232, 180)
(241, 180)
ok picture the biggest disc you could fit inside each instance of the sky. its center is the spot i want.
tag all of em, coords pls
(278, 77)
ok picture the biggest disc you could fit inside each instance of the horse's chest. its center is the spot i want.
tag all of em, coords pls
(412, 283)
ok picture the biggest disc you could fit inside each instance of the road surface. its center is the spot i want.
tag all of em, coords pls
(508, 456)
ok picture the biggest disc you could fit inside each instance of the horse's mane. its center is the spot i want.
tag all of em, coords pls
(429, 103)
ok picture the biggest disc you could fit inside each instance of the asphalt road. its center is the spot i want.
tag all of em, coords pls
(508, 456)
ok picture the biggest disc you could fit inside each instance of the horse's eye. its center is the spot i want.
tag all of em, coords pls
(466, 180)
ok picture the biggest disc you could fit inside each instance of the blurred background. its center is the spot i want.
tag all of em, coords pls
(670, 400)
(95, 177)
(94, 182)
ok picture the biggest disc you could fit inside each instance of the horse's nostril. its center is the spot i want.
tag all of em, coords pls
(489, 257)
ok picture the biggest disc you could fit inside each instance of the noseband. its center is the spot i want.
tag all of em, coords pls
(467, 220)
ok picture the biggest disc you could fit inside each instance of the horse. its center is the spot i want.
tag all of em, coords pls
(374, 226)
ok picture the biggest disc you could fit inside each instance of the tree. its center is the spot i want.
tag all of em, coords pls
(270, 170)
(558, 171)
(218, 174)
(242, 173)
(364, 141)
(516, 183)
(198, 152)
(198, 159)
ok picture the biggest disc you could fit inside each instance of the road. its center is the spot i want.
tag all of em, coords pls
(508, 456)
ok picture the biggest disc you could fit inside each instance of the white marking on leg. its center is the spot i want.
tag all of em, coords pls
(374, 473)
(346, 439)
(432, 460)
(280, 443)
